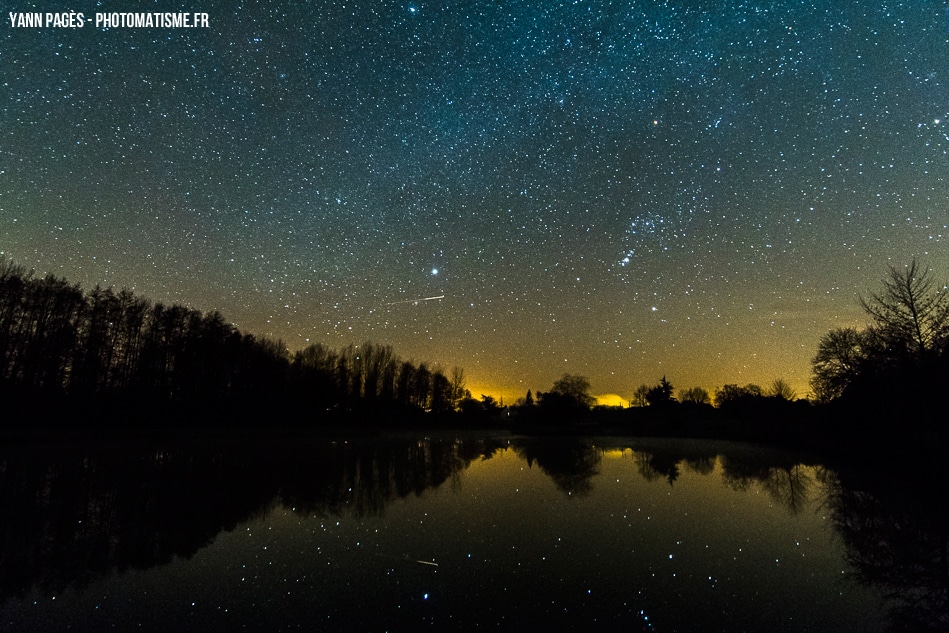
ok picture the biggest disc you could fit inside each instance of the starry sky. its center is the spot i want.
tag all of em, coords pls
(622, 190)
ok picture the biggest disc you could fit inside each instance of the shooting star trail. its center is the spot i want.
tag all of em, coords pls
(395, 303)
(408, 559)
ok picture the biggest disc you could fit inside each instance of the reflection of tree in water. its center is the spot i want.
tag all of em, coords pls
(361, 478)
(71, 515)
(896, 539)
(571, 463)
(789, 486)
(700, 464)
(653, 467)
(665, 462)
(898, 543)
(788, 483)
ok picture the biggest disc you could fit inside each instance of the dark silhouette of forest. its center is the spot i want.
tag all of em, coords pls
(897, 367)
(106, 357)
(100, 357)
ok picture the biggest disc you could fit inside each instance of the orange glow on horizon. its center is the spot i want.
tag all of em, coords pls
(611, 400)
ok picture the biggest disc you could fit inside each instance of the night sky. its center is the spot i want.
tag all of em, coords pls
(622, 190)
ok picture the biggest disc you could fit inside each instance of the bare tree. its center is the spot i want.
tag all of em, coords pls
(457, 381)
(908, 332)
(441, 393)
(639, 396)
(912, 311)
(840, 353)
(781, 389)
(694, 395)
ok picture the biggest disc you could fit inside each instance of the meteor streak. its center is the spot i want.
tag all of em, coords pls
(395, 303)
(406, 557)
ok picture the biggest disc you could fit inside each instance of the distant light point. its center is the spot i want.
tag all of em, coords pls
(434, 271)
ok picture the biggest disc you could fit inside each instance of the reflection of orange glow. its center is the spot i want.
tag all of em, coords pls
(611, 400)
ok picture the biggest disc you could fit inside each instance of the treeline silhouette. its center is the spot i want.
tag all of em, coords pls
(112, 358)
(747, 412)
(105, 356)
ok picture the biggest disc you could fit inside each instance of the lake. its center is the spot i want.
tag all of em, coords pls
(460, 532)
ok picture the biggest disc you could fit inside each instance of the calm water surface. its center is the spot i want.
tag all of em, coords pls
(448, 534)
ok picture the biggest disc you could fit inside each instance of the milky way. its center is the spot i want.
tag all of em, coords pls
(615, 189)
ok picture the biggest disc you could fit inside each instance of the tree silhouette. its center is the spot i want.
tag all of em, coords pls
(911, 312)
(112, 349)
(904, 351)
(576, 388)
(423, 387)
(661, 394)
(405, 384)
(457, 386)
(840, 354)
(639, 396)
(694, 395)
(782, 390)
(570, 391)
(568, 400)
(733, 394)
(52, 319)
(490, 406)
(441, 393)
